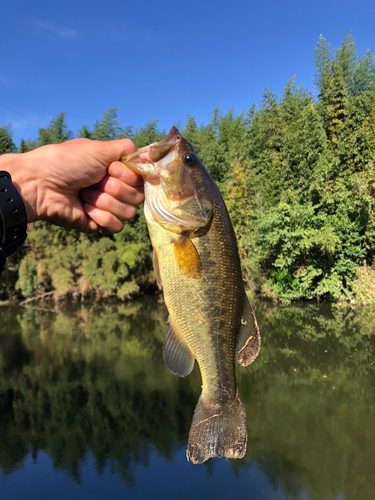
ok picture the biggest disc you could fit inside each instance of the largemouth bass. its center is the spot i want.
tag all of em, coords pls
(197, 266)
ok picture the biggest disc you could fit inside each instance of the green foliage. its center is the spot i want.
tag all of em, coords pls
(85, 133)
(56, 132)
(26, 146)
(364, 285)
(80, 264)
(308, 252)
(307, 173)
(298, 177)
(148, 134)
(6, 143)
(108, 128)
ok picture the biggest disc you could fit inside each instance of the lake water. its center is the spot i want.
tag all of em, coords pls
(88, 409)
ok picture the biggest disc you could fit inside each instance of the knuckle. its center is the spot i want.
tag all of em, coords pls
(129, 144)
(119, 227)
(117, 188)
(130, 212)
(105, 218)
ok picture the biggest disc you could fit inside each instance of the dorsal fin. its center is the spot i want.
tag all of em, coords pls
(177, 357)
(187, 257)
(248, 338)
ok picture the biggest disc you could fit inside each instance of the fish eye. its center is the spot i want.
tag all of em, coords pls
(190, 160)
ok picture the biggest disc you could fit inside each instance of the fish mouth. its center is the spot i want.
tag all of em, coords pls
(170, 194)
(143, 161)
(161, 149)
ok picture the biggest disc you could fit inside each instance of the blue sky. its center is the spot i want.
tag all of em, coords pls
(160, 59)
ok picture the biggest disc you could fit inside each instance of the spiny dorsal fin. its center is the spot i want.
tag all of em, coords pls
(177, 357)
(187, 257)
(248, 338)
(157, 270)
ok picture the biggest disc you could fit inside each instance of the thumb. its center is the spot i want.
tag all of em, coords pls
(113, 150)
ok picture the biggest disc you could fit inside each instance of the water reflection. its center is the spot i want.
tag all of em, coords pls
(92, 378)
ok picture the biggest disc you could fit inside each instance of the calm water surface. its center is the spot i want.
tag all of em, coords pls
(88, 409)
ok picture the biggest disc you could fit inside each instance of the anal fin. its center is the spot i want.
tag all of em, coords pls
(248, 338)
(177, 357)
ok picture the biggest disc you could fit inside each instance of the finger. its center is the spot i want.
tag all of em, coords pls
(114, 150)
(91, 227)
(120, 190)
(119, 171)
(107, 203)
(107, 222)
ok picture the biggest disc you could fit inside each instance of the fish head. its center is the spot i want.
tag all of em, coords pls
(176, 183)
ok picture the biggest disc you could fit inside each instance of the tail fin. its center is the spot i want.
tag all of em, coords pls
(217, 432)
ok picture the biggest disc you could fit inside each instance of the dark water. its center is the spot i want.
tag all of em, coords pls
(88, 409)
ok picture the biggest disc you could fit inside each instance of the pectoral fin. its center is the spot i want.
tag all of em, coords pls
(157, 270)
(248, 338)
(187, 257)
(177, 357)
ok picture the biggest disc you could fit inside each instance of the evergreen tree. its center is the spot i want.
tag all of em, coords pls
(108, 128)
(347, 59)
(148, 134)
(85, 133)
(126, 133)
(6, 143)
(323, 62)
(298, 176)
(364, 75)
(26, 146)
(23, 147)
(56, 132)
(191, 131)
(334, 103)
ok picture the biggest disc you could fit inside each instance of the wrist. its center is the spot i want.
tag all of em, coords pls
(24, 179)
(13, 218)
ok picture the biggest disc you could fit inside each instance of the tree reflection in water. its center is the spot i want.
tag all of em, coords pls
(92, 378)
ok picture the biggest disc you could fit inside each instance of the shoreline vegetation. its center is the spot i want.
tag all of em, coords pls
(297, 173)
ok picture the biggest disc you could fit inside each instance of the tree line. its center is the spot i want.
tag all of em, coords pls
(298, 176)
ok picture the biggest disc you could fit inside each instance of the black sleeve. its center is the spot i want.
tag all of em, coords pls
(13, 218)
(2, 260)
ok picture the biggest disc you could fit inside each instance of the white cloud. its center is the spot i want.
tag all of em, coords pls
(9, 82)
(132, 34)
(54, 30)
(27, 121)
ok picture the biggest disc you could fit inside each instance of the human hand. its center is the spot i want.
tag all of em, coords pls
(78, 184)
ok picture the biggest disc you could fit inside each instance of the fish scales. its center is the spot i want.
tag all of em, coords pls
(197, 266)
(203, 315)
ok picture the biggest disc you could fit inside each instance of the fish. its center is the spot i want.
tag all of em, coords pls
(197, 267)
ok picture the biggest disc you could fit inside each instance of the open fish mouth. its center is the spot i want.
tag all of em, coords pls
(148, 161)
